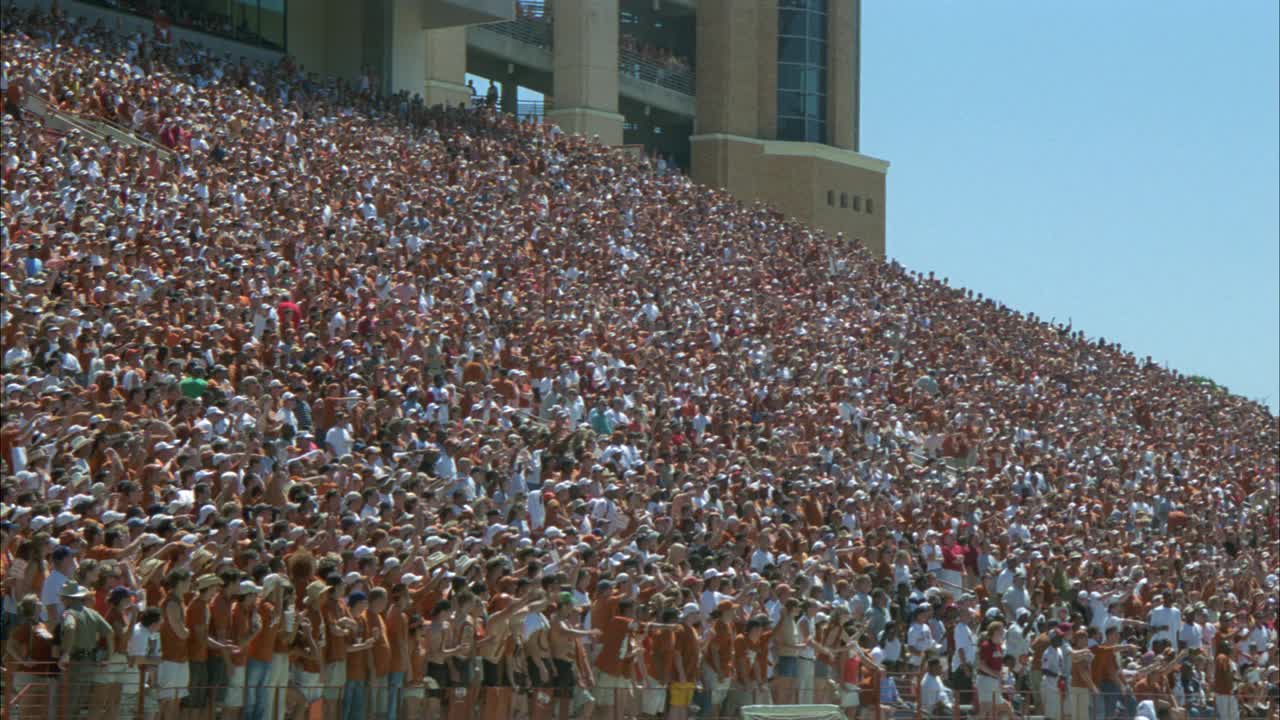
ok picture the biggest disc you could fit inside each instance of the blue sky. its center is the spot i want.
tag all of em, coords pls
(1116, 162)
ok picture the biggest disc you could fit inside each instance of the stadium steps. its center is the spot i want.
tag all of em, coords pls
(99, 130)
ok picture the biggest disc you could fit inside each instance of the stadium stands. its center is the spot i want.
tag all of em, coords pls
(362, 395)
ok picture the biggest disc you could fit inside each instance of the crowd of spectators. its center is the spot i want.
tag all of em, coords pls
(663, 58)
(341, 399)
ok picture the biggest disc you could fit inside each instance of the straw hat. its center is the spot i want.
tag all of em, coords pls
(315, 590)
(207, 580)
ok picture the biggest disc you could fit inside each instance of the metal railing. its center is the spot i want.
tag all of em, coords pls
(535, 109)
(532, 32)
(672, 76)
(44, 691)
(525, 109)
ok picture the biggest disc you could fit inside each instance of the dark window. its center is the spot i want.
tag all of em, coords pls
(831, 198)
(793, 22)
(802, 70)
(870, 206)
(791, 103)
(844, 200)
(791, 76)
(792, 49)
(857, 202)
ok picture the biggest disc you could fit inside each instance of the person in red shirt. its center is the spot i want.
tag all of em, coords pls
(990, 668)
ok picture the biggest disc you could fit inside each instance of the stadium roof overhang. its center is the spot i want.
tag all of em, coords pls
(453, 13)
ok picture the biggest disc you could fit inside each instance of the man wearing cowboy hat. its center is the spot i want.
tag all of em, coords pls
(81, 632)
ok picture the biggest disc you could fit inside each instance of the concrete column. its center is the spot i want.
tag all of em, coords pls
(406, 67)
(327, 38)
(842, 73)
(510, 95)
(446, 67)
(585, 69)
(728, 67)
(767, 64)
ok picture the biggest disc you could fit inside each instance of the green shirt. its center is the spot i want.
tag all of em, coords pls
(193, 387)
(83, 628)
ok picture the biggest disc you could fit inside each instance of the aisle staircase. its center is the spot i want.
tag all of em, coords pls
(99, 130)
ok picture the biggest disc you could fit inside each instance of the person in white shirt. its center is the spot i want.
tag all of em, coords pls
(1015, 639)
(762, 556)
(64, 567)
(143, 652)
(1016, 598)
(920, 635)
(1165, 622)
(1192, 635)
(341, 437)
(936, 699)
(965, 643)
(1053, 671)
(711, 595)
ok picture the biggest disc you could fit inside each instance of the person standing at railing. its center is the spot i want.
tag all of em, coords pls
(1081, 689)
(1226, 705)
(28, 660)
(1054, 667)
(398, 646)
(197, 614)
(688, 659)
(718, 670)
(415, 680)
(246, 624)
(355, 692)
(112, 679)
(1106, 676)
(174, 674)
(278, 672)
(82, 631)
(990, 668)
(144, 657)
(936, 699)
(380, 653)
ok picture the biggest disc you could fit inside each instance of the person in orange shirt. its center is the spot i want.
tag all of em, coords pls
(1106, 675)
(751, 658)
(687, 661)
(286, 614)
(355, 693)
(399, 648)
(269, 617)
(197, 611)
(1225, 702)
(380, 653)
(220, 638)
(658, 667)
(614, 663)
(415, 690)
(174, 674)
(718, 671)
(246, 623)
